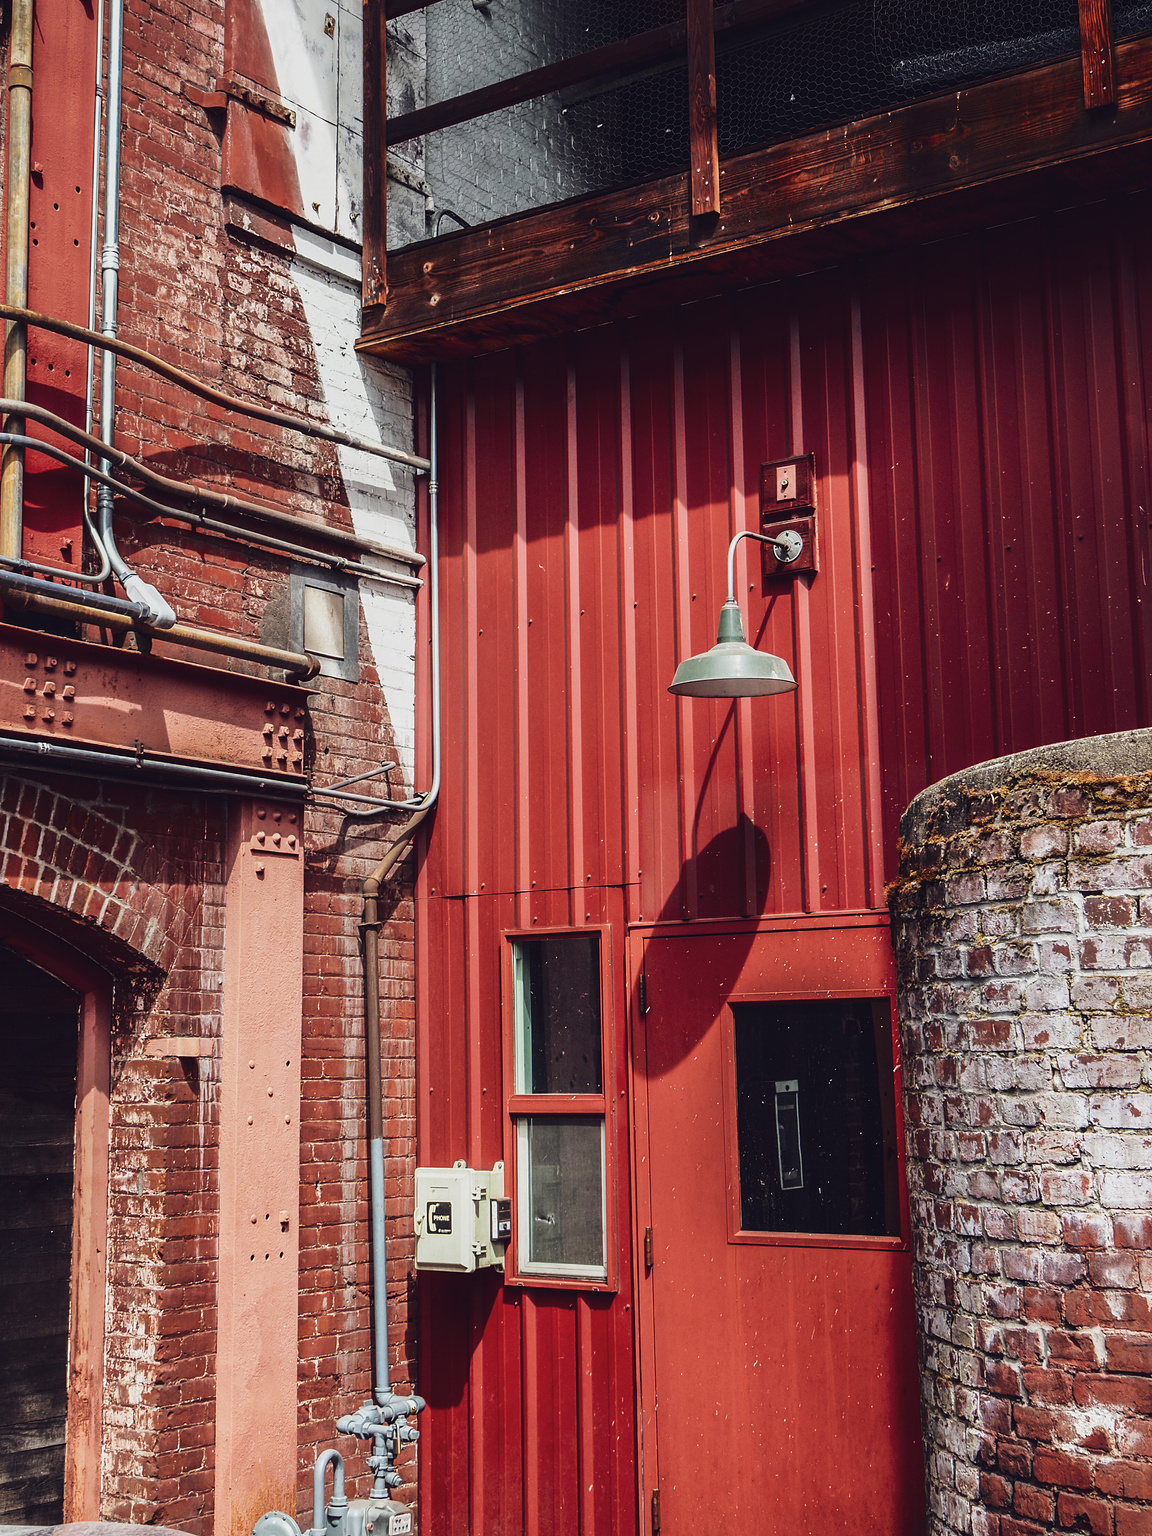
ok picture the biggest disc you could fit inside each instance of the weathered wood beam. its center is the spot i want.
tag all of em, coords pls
(906, 171)
(640, 51)
(374, 213)
(394, 8)
(1096, 53)
(704, 152)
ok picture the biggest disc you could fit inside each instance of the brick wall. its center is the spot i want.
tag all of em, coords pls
(136, 879)
(1023, 928)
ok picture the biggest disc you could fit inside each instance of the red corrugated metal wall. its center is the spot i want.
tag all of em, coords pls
(978, 414)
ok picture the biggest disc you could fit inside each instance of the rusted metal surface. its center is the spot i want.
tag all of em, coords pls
(69, 690)
(588, 495)
(978, 418)
(815, 1392)
(1008, 433)
(257, 1348)
(60, 208)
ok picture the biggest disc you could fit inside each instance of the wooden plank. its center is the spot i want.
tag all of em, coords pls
(642, 50)
(395, 8)
(934, 167)
(374, 284)
(1096, 53)
(704, 150)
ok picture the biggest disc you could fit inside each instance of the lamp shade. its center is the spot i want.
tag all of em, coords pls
(732, 669)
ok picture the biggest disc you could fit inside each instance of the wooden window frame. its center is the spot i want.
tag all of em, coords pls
(520, 1106)
(737, 1234)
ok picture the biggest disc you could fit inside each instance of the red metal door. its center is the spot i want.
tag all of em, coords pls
(779, 1371)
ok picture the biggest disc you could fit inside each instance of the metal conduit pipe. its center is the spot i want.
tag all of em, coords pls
(339, 1498)
(136, 768)
(195, 386)
(383, 1419)
(19, 128)
(219, 499)
(382, 1396)
(29, 593)
(195, 520)
(99, 576)
(160, 611)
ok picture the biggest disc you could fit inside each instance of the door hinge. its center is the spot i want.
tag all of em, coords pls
(642, 993)
(655, 1512)
(647, 1247)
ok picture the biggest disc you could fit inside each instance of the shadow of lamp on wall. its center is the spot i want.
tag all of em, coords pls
(733, 669)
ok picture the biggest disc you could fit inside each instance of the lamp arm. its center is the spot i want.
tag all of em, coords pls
(787, 546)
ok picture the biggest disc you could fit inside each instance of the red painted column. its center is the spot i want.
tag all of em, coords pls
(259, 1168)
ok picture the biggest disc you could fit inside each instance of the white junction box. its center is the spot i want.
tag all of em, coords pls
(463, 1221)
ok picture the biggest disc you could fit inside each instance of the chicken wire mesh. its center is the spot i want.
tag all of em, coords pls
(835, 63)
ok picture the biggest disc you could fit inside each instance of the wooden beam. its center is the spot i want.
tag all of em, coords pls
(1096, 53)
(394, 8)
(374, 213)
(640, 51)
(953, 162)
(704, 152)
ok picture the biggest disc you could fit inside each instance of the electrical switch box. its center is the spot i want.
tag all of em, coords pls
(463, 1222)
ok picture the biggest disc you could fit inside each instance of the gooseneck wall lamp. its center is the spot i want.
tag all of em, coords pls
(732, 669)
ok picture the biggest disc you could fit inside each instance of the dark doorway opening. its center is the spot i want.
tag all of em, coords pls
(39, 1027)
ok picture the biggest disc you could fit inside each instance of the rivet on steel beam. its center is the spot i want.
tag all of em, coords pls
(251, 1064)
(259, 871)
(69, 668)
(68, 691)
(49, 689)
(270, 707)
(277, 815)
(261, 835)
(261, 813)
(276, 838)
(30, 712)
(31, 659)
(271, 1091)
(29, 685)
(49, 714)
(49, 663)
(67, 719)
(285, 709)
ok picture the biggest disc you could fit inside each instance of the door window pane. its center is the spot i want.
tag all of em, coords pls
(557, 1004)
(561, 1196)
(815, 1118)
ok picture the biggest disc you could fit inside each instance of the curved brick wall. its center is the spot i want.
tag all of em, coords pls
(1023, 928)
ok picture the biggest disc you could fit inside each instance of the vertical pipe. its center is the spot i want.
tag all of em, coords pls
(16, 275)
(370, 924)
(90, 365)
(110, 271)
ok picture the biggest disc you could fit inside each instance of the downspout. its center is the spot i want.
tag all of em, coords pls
(16, 275)
(384, 1407)
(160, 613)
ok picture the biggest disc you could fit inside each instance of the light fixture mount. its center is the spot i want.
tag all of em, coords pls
(733, 669)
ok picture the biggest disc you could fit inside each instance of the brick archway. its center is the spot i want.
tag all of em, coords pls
(79, 866)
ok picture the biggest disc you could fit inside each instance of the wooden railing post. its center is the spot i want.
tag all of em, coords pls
(1096, 53)
(704, 176)
(374, 214)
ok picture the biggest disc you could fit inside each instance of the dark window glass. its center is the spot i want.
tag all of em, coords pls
(557, 983)
(815, 1118)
